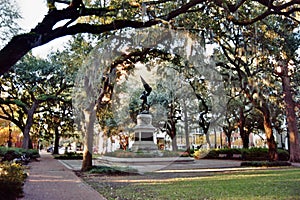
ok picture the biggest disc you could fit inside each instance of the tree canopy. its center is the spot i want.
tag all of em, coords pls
(117, 15)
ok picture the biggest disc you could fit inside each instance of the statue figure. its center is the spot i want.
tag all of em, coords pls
(144, 96)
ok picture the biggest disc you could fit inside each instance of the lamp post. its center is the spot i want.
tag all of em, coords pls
(9, 142)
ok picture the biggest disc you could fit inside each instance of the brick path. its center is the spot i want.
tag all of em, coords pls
(50, 180)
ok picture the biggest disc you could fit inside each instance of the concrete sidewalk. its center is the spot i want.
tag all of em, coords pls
(50, 180)
(152, 166)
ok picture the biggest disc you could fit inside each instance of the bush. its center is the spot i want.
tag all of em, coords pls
(212, 154)
(17, 152)
(201, 153)
(265, 164)
(228, 153)
(10, 155)
(166, 153)
(141, 154)
(257, 154)
(122, 154)
(283, 155)
(116, 170)
(69, 156)
(12, 179)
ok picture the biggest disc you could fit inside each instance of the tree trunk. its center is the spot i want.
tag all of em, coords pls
(186, 127)
(26, 143)
(56, 140)
(243, 133)
(294, 147)
(264, 109)
(246, 140)
(90, 118)
(207, 140)
(205, 128)
(174, 143)
(228, 135)
(229, 141)
(273, 155)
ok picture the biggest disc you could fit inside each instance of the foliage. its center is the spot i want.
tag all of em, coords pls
(7, 130)
(12, 177)
(32, 153)
(245, 154)
(9, 14)
(33, 86)
(261, 154)
(115, 170)
(200, 153)
(130, 154)
(265, 163)
(69, 156)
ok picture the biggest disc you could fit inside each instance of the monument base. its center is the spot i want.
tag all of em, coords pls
(143, 139)
(144, 146)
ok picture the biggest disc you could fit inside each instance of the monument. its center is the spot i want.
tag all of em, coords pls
(143, 138)
(152, 159)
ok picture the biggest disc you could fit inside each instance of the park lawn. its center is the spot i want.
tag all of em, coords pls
(259, 184)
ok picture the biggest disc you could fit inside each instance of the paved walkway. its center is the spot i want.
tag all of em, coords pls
(148, 165)
(50, 180)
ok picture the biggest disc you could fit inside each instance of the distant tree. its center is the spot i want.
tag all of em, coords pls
(9, 14)
(26, 89)
(245, 58)
(230, 123)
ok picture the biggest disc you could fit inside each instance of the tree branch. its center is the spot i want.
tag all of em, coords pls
(44, 32)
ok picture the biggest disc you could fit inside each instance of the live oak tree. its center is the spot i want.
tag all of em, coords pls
(286, 59)
(230, 123)
(248, 54)
(25, 90)
(249, 84)
(171, 91)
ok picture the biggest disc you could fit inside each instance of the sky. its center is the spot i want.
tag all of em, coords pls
(33, 12)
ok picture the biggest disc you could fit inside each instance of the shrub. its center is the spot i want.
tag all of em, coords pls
(257, 154)
(69, 156)
(212, 154)
(201, 153)
(283, 155)
(265, 164)
(167, 153)
(115, 170)
(17, 152)
(121, 154)
(10, 155)
(141, 154)
(12, 179)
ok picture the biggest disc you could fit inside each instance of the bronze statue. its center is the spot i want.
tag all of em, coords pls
(144, 97)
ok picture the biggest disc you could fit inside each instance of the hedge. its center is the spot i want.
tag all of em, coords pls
(251, 154)
(17, 152)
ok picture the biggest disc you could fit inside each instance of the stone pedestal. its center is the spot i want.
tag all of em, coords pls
(143, 140)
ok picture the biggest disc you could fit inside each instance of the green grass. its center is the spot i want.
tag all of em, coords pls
(261, 184)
